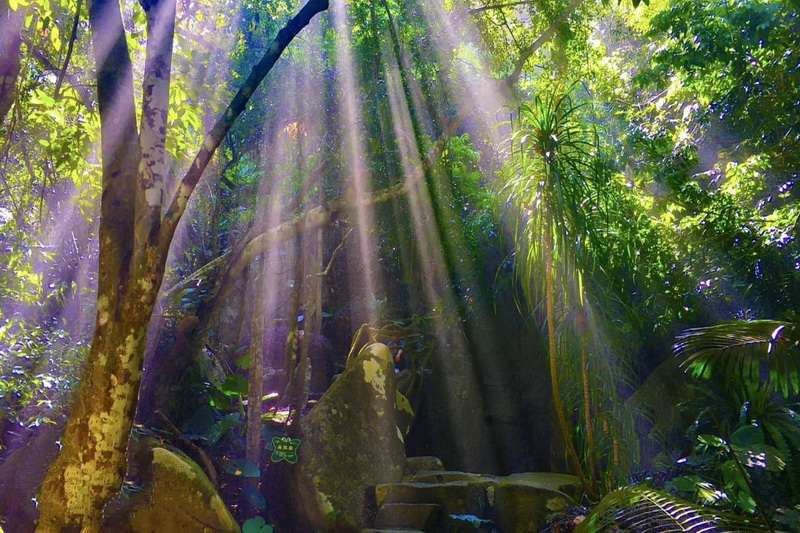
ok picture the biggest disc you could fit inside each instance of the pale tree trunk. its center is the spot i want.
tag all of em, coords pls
(134, 242)
(152, 131)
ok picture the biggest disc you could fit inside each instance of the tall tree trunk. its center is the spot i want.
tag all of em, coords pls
(552, 351)
(255, 390)
(92, 460)
(133, 251)
(293, 346)
(10, 41)
(312, 312)
(153, 127)
(583, 333)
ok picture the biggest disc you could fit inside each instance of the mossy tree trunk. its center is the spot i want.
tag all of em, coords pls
(134, 242)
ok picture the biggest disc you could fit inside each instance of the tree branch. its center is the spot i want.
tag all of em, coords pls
(481, 9)
(336, 250)
(243, 254)
(543, 38)
(73, 36)
(84, 94)
(214, 137)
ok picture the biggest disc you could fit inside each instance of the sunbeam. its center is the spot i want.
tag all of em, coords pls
(399, 265)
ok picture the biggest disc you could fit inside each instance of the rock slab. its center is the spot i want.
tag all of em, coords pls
(517, 503)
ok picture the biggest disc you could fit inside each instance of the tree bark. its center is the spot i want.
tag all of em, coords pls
(311, 256)
(10, 41)
(153, 127)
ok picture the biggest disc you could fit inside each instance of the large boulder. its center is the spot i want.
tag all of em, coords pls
(20, 476)
(350, 442)
(176, 496)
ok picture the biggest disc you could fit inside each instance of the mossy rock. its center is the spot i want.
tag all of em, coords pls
(350, 442)
(177, 496)
(522, 502)
(446, 476)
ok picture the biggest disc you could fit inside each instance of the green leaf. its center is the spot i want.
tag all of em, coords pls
(244, 362)
(234, 386)
(761, 456)
(713, 441)
(257, 525)
(748, 435)
(219, 429)
(685, 483)
(55, 37)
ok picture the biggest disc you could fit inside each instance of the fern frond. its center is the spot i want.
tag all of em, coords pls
(739, 349)
(639, 508)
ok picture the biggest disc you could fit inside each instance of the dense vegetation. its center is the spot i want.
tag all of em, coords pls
(573, 223)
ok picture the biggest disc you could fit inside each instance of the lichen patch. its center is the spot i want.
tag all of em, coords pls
(375, 376)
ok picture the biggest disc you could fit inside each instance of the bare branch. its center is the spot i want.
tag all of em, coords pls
(540, 41)
(85, 95)
(214, 137)
(72, 37)
(336, 250)
(481, 9)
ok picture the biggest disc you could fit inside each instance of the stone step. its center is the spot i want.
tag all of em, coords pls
(517, 503)
(393, 530)
(422, 462)
(455, 497)
(424, 516)
(447, 476)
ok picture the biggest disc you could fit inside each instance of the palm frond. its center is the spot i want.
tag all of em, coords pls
(756, 350)
(639, 508)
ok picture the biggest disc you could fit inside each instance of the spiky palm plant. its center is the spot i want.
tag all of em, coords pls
(558, 184)
(548, 185)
